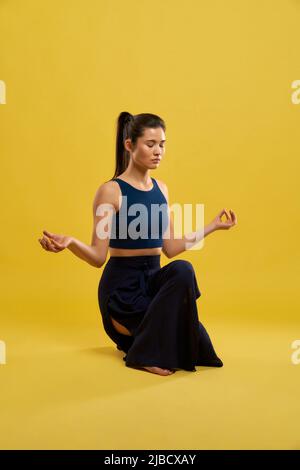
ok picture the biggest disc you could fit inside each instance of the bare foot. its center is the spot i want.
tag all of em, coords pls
(159, 371)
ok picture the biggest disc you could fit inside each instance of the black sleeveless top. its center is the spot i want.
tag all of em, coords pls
(142, 218)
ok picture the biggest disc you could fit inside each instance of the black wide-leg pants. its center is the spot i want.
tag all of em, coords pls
(158, 306)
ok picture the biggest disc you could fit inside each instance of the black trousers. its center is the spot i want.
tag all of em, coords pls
(158, 306)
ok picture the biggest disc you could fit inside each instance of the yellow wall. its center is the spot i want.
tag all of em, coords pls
(220, 74)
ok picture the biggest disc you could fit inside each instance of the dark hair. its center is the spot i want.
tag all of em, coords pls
(132, 127)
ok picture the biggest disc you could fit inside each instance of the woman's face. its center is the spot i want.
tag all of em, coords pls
(150, 148)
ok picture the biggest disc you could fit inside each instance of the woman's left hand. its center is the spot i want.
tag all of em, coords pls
(218, 224)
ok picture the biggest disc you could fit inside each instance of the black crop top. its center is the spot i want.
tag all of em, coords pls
(142, 218)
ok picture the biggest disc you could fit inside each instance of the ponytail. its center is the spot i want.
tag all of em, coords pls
(123, 133)
(132, 127)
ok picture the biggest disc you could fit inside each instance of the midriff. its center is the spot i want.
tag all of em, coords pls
(135, 252)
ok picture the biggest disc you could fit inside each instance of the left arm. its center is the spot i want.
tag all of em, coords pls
(174, 246)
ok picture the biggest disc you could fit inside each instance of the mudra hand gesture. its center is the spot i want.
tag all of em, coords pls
(224, 225)
(53, 242)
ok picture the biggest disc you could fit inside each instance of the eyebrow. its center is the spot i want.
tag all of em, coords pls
(152, 140)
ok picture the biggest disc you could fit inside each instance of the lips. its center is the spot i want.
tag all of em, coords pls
(156, 160)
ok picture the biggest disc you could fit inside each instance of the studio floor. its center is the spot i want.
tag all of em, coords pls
(74, 391)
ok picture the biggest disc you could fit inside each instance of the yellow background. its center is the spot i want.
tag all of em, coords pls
(219, 73)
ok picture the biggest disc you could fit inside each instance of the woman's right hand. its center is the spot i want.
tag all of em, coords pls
(53, 242)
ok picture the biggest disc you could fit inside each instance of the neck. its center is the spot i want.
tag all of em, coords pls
(137, 174)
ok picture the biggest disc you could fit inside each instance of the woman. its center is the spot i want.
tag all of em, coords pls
(149, 311)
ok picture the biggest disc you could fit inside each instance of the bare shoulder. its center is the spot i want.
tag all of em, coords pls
(107, 192)
(163, 187)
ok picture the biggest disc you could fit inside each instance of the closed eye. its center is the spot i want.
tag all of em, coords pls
(162, 146)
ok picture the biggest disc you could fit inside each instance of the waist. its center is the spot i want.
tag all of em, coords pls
(138, 262)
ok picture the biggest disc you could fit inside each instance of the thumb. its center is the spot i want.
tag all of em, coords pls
(224, 211)
(58, 245)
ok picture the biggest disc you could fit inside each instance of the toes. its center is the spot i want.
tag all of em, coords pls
(159, 370)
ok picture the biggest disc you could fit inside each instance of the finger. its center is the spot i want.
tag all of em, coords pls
(45, 240)
(49, 245)
(43, 243)
(54, 245)
(221, 213)
(224, 211)
(57, 245)
(49, 234)
(234, 218)
(49, 241)
(227, 214)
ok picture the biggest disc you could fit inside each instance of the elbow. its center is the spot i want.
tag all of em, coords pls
(99, 263)
(167, 254)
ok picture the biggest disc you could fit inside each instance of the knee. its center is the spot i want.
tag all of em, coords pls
(182, 270)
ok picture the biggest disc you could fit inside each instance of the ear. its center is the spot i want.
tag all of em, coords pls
(128, 145)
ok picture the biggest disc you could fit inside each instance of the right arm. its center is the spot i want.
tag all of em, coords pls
(96, 253)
